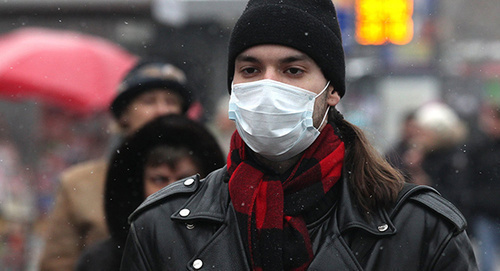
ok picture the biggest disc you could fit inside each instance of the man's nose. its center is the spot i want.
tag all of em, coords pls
(272, 74)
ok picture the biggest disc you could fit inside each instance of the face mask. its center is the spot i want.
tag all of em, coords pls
(274, 119)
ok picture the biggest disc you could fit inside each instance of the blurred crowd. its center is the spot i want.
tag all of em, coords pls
(51, 213)
(27, 189)
(437, 147)
(461, 160)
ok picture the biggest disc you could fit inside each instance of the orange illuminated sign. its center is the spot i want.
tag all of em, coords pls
(384, 21)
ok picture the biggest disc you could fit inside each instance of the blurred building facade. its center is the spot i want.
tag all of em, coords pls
(453, 53)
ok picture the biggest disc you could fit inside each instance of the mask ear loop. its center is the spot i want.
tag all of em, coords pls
(321, 92)
(327, 109)
(324, 117)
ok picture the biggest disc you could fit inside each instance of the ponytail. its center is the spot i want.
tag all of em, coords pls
(373, 180)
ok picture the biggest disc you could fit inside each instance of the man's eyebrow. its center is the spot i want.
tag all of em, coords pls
(288, 59)
(298, 57)
(246, 58)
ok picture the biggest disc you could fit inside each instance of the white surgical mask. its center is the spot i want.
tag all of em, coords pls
(274, 119)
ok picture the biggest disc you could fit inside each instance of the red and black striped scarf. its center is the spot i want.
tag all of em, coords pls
(269, 209)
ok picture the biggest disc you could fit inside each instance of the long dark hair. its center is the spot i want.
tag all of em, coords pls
(374, 182)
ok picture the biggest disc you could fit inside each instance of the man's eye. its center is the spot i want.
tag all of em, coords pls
(249, 70)
(171, 100)
(147, 100)
(160, 180)
(295, 71)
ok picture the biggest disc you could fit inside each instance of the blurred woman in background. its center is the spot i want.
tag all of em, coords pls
(165, 150)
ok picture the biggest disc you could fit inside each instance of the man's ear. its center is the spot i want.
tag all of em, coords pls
(333, 97)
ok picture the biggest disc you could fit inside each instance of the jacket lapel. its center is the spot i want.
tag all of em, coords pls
(215, 209)
(212, 208)
(331, 250)
(225, 251)
(349, 215)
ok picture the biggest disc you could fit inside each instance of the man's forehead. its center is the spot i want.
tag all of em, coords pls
(278, 52)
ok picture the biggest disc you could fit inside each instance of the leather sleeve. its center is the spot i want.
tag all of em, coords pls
(457, 255)
(452, 247)
(134, 257)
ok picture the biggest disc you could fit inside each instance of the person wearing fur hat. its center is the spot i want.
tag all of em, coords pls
(436, 155)
(149, 90)
(166, 149)
(303, 189)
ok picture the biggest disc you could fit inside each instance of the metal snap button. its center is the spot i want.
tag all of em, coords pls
(189, 182)
(197, 264)
(184, 212)
(383, 227)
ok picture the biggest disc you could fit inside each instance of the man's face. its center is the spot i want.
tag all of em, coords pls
(155, 178)
(286, 65)
(149, 105)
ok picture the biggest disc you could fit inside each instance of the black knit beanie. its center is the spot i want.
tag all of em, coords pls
(310, 26)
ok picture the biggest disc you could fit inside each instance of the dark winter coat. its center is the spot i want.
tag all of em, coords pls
(484, 174)
(447, 171)
(192, 226)
(124, 188)
(103, 256)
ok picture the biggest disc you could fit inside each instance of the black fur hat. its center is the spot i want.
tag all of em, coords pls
(310, 26)
(124, 189)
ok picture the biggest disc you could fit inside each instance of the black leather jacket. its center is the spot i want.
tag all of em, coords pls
(192, 226)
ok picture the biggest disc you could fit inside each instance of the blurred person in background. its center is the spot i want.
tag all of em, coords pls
(166, 149)
(221, 126)
(149, 90)
(395, 154)
(437, 157)
(484, 178)
(17, 204)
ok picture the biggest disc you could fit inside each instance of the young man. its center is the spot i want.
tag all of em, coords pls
(150, 89)
(302, 189)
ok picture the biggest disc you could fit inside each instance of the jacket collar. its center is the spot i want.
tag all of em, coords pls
(214, 207)
(350, 215)
(210, 201)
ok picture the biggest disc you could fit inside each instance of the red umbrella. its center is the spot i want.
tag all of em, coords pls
(67, 69)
